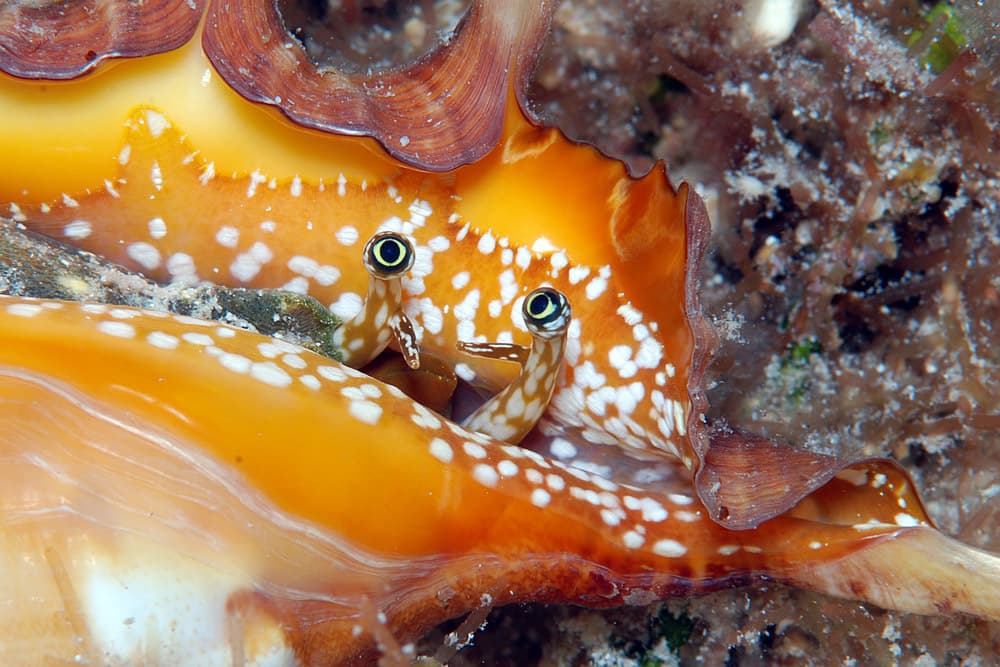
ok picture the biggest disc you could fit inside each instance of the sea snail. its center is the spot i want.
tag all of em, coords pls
(512, 413)
(387, 257)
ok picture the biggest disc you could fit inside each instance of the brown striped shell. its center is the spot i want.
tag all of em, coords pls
(444, 110)
(47, 39)
(403, 108)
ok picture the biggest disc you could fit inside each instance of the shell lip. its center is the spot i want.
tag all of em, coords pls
(721, 483)
(59, 41)
(442, 111)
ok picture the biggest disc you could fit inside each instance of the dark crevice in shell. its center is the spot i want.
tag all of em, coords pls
(369, 35)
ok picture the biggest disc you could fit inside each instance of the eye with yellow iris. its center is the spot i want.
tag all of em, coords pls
(546, 312)
(388, 254)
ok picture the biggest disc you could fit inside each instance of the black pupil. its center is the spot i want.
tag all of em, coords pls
(540, 304)
(390, 251)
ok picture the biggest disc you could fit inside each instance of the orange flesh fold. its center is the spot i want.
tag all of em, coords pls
(201, 185)
(358, 459)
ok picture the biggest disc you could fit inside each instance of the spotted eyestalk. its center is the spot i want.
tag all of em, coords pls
(512, 413)
(387, 257)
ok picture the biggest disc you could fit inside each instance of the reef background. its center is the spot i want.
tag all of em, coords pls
(849, 154)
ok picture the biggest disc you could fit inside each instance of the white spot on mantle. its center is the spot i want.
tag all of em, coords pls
(669, 548)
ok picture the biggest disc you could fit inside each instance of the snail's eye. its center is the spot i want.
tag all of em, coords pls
(388, 254)
(546, 311)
